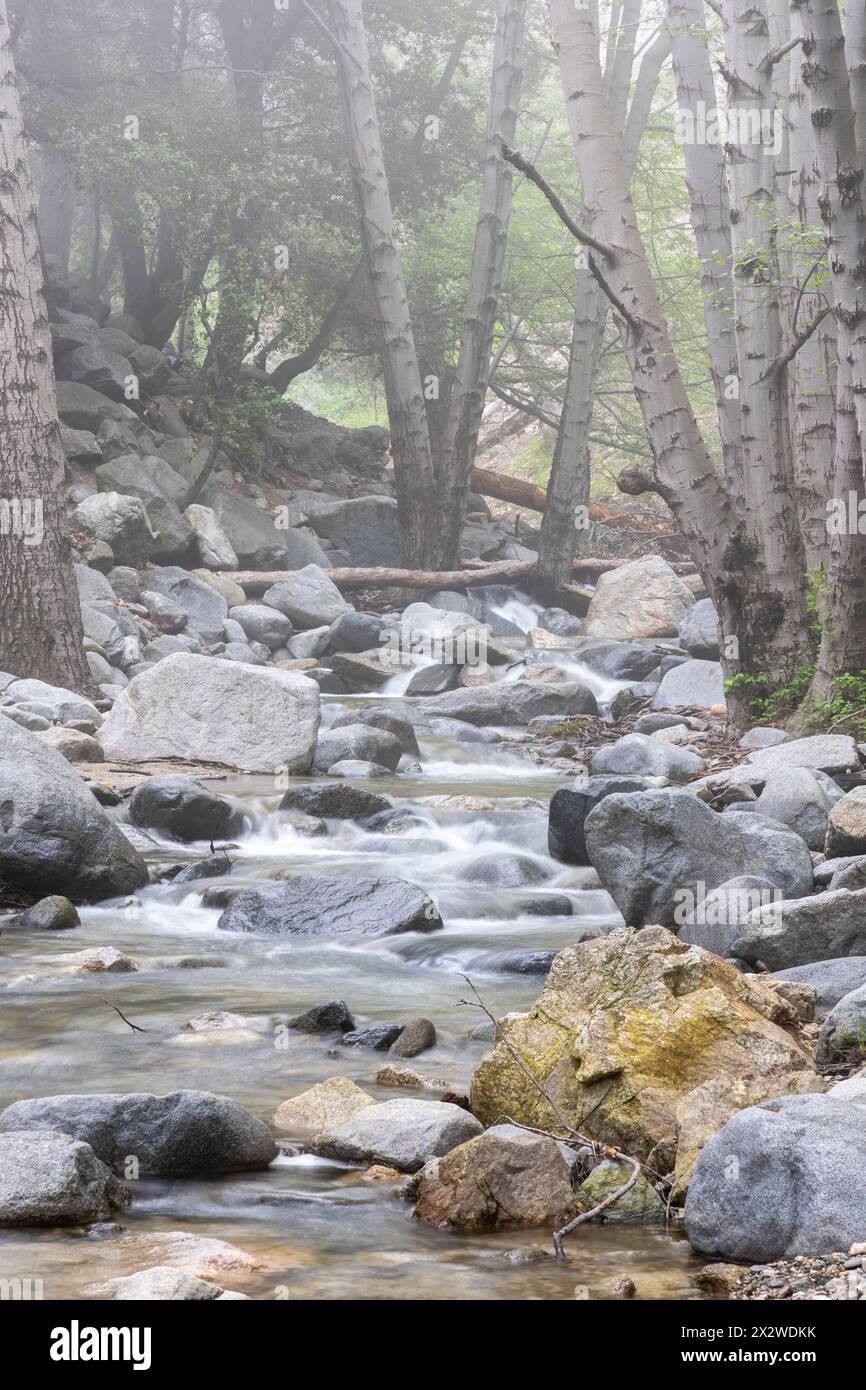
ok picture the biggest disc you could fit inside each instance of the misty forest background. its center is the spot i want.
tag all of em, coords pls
(489, 222)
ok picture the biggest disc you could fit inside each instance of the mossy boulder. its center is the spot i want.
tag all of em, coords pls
(625, 1028)
(641, 1202)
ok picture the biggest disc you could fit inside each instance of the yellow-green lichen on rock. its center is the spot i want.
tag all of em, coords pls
(627, 1026)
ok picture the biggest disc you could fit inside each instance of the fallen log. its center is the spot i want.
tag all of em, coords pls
(521, 493)
(499, 572)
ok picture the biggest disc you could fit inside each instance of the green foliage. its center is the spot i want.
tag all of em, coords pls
(769, 704)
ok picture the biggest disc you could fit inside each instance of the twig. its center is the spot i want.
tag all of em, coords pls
(559, 1236)
(574, 1136)
(134, 1026)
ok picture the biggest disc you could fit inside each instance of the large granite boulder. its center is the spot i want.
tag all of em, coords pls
(643, 598)
(54, 835)
(656, 851)
(183, 809)
(627, 1026)
(204, 709)
(50, 1179)
(796, 932)
(182, 1133)
(784, 1178)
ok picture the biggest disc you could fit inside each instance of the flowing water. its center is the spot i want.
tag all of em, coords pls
(321, 1230)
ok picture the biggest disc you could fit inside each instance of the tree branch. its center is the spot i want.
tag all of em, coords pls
(520, 162)
(794, 347)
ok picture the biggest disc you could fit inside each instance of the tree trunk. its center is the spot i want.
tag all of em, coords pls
(855, 58)
(840, 170)
(569, 482)
(413, 461)
(40, 619)
(707, 185)
(813, 371)
(684, 472)
(56, 207)
(773, 620)
(468, 393)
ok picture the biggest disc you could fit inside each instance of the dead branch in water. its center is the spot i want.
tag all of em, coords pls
(572, 1136)
(134, 1026)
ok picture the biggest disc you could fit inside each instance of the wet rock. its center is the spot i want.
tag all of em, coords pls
(50, 1179)
(805, 929)
(316, 905)
(54, 913)
(324, 1106)
(308, 598)
(215, 866)
(612, 1074)
(184, 809)
(844, 1029)
(503, 1178)
(401, 729)
(403, 1134)
(358, 768)
(622, 661)
(640, 1205)
(335, 802)
(205, 709)
(55, 837)
(569, 808)
(830, 753)
(642, 756)
(507, 871)
(831, 979)
(691, 683)
(331, 1016)
(182, 1133)
(656, 851)
(644, 598)
(780, 1179)
(513, 703)
(418, 1036)
(359, 742)
(97, 960)
(434, 679)
(560, 622)
(378, 1037)
(527, 963)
